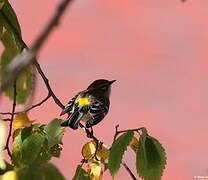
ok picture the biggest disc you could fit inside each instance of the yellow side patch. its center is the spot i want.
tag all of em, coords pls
(84, 101)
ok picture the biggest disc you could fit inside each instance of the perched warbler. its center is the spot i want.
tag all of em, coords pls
(89, 106)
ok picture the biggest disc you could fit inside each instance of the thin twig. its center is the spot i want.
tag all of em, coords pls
(20, 62)
(5, 113)
(38, 104)
(129, 170)
(30, 108)
(37, 65)
(123, 131)
(46, 81)
(6, 119)
(12, 117)
(115, 135)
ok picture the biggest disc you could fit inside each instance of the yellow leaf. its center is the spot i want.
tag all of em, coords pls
(88, 151)
(21, 120)
(95, 170)
(1, 4)
(10, 175)
(134, 144)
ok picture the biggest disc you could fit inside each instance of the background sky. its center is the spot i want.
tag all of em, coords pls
(157, 51)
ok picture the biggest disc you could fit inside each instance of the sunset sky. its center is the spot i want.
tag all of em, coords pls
(156, 50)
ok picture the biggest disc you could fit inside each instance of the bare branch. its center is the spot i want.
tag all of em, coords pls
(11, 121)
(30, 108)
(7, 119)
(38, 104)
(5, 113)
(46, 81)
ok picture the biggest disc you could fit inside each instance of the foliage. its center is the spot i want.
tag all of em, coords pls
(34, 144)
(13, 46)
(32, 149)
(151, 157)
(117, 151)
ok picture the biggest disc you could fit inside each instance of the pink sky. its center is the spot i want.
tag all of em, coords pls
(157, 51)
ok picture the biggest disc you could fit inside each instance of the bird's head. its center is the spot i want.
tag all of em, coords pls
(101, 86)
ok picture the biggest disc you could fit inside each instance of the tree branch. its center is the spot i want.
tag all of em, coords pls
(46, 81)
(38, 104)
(23, 60)
(11, 121)
(37, 65)
(30, 108)
(6, 119)
(5, 113)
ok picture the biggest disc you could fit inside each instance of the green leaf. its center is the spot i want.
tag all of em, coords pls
(41, 172)
(25, 133)
(54, 132)
(10, 35)
(117, 151)
(31, 173)
(52, 173)
(56, 150)
(81, 174)
(17, 151)
(45, 155)
(7, 9)
(31, 148)
(150, 158)
(24, 86)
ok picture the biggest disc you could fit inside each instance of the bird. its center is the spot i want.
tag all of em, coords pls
(89, 106)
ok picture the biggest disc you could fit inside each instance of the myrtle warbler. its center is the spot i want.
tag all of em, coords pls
(90, 105)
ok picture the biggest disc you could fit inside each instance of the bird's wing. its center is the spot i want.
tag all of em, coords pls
(69, 107)
(97, 112)
(74, 119)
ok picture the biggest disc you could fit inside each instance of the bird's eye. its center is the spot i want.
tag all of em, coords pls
(103, 87)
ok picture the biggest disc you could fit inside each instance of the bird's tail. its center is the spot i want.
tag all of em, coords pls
(73, 120)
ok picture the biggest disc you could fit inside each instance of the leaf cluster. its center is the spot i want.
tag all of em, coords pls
(33, 148)
(150, 157)
(10, 34)
(35, 144)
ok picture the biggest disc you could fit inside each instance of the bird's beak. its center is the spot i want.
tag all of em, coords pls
(111, 82)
